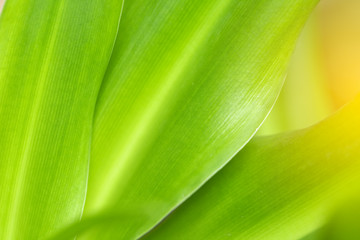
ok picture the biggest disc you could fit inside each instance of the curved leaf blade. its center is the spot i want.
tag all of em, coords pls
(277, 187)
(188, 84)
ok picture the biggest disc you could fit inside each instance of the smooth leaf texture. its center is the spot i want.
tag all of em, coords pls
(52, 62)
(188, 84)
(341, 225)
(315, 235)
(277, 187)
(81, 227)
(344, 224)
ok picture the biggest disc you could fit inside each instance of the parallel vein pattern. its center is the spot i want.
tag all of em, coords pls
(188, 84)
(47, 99)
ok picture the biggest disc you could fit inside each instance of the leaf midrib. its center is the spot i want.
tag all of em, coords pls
(148, 117)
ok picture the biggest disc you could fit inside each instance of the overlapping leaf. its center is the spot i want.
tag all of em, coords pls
(277, 187)
(52, 63)
(188, 84)
(305, 98)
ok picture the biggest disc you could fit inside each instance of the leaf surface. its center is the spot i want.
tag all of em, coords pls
(277, 187)
(305, 98)
(344, 223)
(188, 84)
(52, 62)
(87, 224)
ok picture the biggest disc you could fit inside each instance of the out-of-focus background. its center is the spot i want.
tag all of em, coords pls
(324, 73)
(1, 4)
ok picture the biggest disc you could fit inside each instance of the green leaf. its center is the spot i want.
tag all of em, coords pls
(341, 225)
(277, 187)
(188, 85)
(52, 62)
(305, 98)
(344, 224)
(86, 224)
(315, 235)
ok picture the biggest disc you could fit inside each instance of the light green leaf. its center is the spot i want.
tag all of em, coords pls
(305, 98)
(315, 235)
(188, 84)
(277, 187)
(52, 62)
(107, 220)
(344, 224)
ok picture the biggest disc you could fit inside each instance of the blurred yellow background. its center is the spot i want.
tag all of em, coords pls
(324, 73)
(339, 25)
